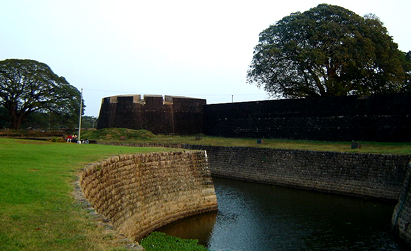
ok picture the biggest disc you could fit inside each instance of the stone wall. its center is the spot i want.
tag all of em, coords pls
(361, 118)
(142, 192)
(383, 117)
(171, 114)
(378, 176)
(401, 218)
(368, 175)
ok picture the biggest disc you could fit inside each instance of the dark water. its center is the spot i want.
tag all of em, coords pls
(263, 217)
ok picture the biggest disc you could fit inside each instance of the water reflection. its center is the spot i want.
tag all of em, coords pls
(196, 227)
(263, 217)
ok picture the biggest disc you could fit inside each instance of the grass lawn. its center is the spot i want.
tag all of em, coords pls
(366, 147)
(37, 207)
(142, 136)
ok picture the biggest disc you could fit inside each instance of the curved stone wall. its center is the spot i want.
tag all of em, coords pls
(140, 193)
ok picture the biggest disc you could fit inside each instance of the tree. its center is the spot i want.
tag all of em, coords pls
(28, 86)
(89, 122)
(49, 120)
(326, 51)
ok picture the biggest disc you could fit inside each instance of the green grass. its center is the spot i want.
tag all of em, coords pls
(117, 134)
(37, 207)
(158, 241)
(367, 147)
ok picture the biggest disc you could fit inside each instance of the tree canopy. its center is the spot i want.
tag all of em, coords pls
(328, 51)
(28, 86)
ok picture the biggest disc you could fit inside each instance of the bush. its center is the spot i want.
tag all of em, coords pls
(57, 139)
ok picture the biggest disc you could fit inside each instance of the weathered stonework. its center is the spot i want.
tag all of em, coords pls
(171, 114)
(142, 192)
(401, 218)
(362, 118)
(378, 176)
(383, 117)
(367, 175)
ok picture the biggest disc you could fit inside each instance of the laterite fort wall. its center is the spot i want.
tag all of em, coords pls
(168, 115)
(382, 117)
(142, 192)
(360, 118)
(369, 175)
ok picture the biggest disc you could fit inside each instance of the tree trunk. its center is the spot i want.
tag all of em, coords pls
(17, 119)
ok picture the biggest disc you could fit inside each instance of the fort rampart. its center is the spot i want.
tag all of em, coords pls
(384, 117)
(169, 115)
(360, 118)
(142, 192)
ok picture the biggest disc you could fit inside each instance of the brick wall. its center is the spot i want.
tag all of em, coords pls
(142, 192)
(369, 175)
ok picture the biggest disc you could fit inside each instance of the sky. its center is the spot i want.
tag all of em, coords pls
(199, 49)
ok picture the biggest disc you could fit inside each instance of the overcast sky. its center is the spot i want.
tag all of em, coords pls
(199, 49)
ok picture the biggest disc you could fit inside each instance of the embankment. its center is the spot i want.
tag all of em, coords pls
(378, 176)
(142, 192)
(367, 175)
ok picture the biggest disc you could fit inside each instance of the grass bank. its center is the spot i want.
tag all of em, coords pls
(158, 241)
(127, 135)
(37, 207)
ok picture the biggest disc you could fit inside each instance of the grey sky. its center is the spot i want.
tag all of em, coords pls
(192, 48)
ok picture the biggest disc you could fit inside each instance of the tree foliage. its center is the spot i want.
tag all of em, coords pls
(327, 51)
(28, 86)
(89, 122)
(406, 61)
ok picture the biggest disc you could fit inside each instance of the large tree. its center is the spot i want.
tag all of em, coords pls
(327, 51)
(28, 86)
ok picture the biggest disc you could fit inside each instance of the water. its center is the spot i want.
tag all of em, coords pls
(262, 217)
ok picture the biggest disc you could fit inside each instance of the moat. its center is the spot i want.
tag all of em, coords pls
(263, 217)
